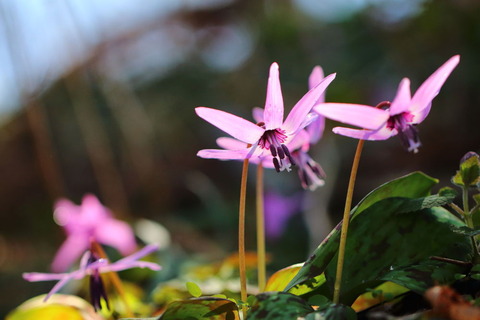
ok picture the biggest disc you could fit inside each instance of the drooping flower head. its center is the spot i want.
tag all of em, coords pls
(401, 117)
(273, 134)
(88, 222)
(92, 266)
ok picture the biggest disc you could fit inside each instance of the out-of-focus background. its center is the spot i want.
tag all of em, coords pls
(99, 96)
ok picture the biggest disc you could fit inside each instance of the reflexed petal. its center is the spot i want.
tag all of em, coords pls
(133, 264)
(303, 107)
(38, 276)
(222, 154)
(421, 115)
(430, 88)
(273, 115)
(235, 126)
(300, 141)
(231, 143)
(145, 251)
(58, 286)
(315, 129)
(116, 234)
(401, 103)
(354, 114)
(315, 77)
(381, 134)
(73, 247)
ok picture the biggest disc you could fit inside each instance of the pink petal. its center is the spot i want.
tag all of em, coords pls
(430, 88)
(139, 254)
(222, 154)
(58, 286)
(315, 77)
(301, 109)
(71, 249)
(258, 114)
(419, 116)
(231, 144)
(315, 129)
(401, 103)
(235, 126)
(93, 211)
(38, 276)
(381, 134)
(117, 234)
(354, 114)
(65, 212)
(273, 115)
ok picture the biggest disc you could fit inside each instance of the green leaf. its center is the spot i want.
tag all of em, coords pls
(201, 309)
(414, 185)
(194, 289)
(383, 244)
(278, 306)
(466, 231)
(58, 306)
(469, 173)
(333, 312)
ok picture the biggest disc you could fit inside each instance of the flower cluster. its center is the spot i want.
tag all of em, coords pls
(276, 143)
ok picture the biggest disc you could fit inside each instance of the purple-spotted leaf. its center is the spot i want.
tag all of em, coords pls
(279, 280)
(278, 306)
(414, 185)
(204, 308)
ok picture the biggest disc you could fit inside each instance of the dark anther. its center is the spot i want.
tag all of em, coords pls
(276, 164)
(281, 154)
(273, 150)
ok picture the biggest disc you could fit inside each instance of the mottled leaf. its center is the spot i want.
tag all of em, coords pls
(279, 280)
(381, 242)
(414, 185)
(333, 312)
(201, 309)
(278, 306)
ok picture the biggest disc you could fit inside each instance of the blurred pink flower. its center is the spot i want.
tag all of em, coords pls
(93, 267)
(278, 211)
(273, 134)
(87, 222)
(400, 118)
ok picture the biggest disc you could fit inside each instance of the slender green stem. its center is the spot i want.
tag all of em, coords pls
(469, 221)
(241, 232)
(346, 220)
(260, 231)
(114, 279)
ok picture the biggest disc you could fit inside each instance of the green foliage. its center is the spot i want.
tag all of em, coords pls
(206, 308)
(384, 242)
(469, 173)
(278, 306)
(333, 312)
(194, 289)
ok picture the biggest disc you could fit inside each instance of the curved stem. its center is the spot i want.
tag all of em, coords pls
(345, 223)
(260, 230)
(241, 232)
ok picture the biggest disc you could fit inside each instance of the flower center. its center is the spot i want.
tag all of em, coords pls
(274, 141)
(407, 132)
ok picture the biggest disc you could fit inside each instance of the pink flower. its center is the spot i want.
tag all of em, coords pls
(400, 118)
(87, 222)
(93, 267)
(272, 136)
